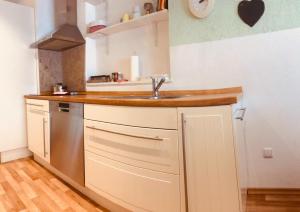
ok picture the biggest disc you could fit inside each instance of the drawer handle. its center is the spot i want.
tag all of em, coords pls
(44, 136)
(37, 111)
(35, 105)
(183, 125)
(124, 134)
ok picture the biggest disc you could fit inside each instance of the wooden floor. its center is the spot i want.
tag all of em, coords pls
(26, 186)
(274, 200)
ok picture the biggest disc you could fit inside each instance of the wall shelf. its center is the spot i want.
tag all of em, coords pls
(128, 83)
(145, 20)
(141, 82)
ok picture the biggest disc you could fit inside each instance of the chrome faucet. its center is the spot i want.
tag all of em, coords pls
(156, 84)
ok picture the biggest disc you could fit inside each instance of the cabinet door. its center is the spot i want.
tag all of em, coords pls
(38, 132)
(211, 173)
(241, 153)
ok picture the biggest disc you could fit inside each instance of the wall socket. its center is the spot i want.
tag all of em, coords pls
(268, 152)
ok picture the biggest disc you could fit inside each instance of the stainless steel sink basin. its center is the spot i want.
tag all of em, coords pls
(146, 97)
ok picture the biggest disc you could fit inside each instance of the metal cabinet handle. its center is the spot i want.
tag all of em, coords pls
(183, 123)
(35, 105)
(242, 115)
(63, 109)
(36, 111)
(124, 134)
(44, 136)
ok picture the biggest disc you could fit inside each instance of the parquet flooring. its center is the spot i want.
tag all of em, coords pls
(27, 186)
(274, 200)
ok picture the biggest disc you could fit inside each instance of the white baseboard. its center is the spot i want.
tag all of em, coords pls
(14, 155)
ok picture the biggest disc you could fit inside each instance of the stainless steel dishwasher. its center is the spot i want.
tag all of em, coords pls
(66, 141)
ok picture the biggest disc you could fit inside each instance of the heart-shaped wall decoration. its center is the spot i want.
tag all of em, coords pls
(250, 11)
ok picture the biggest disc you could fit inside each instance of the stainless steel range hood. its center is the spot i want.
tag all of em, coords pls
(67, 36)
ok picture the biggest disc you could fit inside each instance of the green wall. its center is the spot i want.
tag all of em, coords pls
(224, 21)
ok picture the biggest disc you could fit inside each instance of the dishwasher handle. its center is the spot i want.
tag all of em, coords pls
(64, 110)
(64, 107)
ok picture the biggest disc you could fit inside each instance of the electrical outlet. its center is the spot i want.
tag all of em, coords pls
(268, 152)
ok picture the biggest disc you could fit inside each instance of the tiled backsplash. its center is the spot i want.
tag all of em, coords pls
(65, 67)
(50, 68)
(73, 68)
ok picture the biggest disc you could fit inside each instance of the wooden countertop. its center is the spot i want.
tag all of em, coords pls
(191, 98)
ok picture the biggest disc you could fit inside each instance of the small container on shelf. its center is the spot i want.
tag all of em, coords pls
(96, 25)
(136, 12)
(149, 8)
(99, 79)
(125, 18)
(118, 77)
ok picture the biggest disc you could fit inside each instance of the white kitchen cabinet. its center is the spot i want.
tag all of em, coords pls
(241, 152)
(38, 128)
(135, 188)
(132, 157)
(169, 159)
(212, 182)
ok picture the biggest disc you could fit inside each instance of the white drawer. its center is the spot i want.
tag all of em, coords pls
(35, 104)
(140, 189)
(163, 118)
(154, 149)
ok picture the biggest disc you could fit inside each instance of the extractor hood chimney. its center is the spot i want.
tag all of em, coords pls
(67, 36)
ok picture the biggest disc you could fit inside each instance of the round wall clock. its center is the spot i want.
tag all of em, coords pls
(201, 8)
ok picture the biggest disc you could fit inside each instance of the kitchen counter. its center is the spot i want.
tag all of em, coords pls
(190, 98)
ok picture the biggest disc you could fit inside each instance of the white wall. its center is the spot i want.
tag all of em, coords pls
(45, 21)
(268, 68)
(18, 72)
(50, 14)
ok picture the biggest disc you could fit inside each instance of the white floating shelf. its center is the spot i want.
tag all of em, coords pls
(128, 83)
(141, 82)
(152, 18)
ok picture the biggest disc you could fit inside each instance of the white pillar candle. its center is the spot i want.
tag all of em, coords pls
(135, 72)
